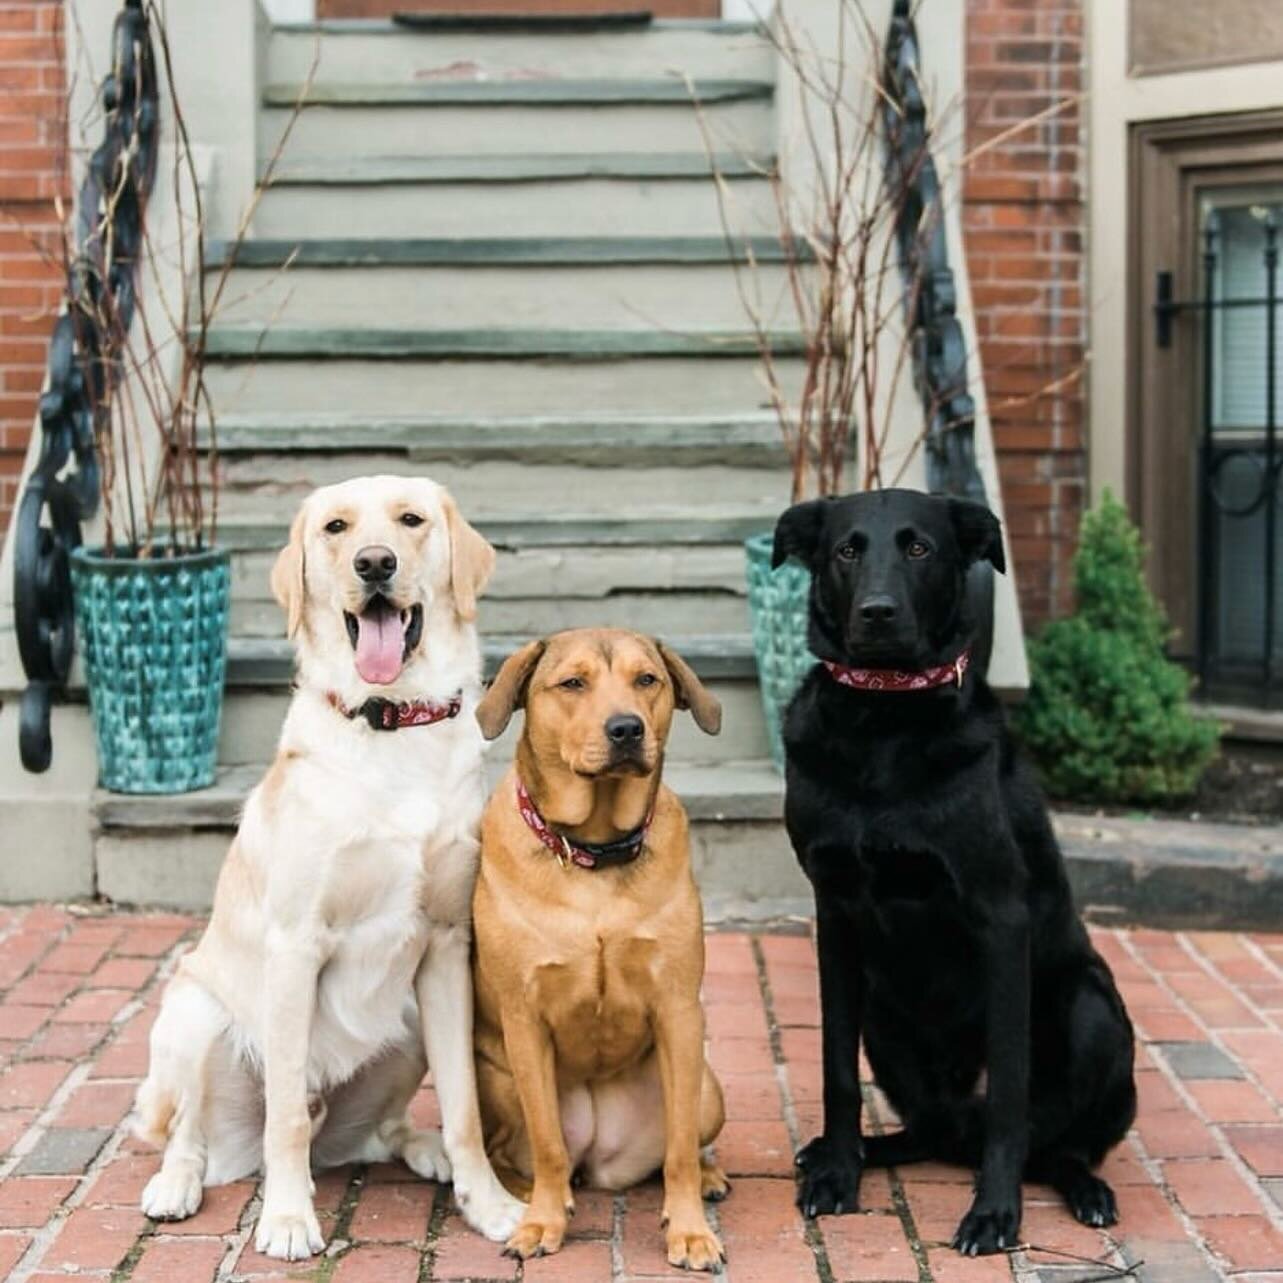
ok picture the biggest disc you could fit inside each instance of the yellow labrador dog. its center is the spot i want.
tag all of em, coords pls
(338, 950)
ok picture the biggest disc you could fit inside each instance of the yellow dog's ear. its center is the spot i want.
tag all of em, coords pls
(288, 577)
(471, 560)
(691, 692)
(508, 690)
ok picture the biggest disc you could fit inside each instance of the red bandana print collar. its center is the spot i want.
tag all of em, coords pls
(896, 679)
(587, 855)
(386, 715)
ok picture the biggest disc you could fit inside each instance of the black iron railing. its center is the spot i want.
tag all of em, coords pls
(939, 341)
(1239, 463)
(62, 490)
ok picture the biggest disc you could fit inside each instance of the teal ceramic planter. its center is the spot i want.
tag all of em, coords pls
(777, 602)
(153, 635)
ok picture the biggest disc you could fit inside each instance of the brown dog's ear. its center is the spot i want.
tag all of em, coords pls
(287, 577)
(471, 560)
(508, 690)
(691, 692)
(979, 533)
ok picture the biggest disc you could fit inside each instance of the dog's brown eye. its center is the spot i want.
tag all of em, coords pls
(917, 550)
(848, 552)
(335, 527)
(647, 679)
(572, 684)
(411, 519)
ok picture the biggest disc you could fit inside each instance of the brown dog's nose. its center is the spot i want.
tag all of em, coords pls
(625, 729)
(375, 564)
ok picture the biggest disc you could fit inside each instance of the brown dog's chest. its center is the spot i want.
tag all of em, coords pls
(596, 996)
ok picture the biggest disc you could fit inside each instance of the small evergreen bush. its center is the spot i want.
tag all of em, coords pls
(1108, 716)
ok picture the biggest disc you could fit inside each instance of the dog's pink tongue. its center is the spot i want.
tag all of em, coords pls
(380, 644)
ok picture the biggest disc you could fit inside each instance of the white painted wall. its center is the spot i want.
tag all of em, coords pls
(289, 10)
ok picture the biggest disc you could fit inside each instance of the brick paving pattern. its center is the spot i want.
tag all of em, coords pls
(1200, 1181)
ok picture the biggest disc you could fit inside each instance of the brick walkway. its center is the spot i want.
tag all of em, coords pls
(1200, 1183)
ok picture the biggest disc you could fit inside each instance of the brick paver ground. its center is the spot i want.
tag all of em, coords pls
(1200, 1181)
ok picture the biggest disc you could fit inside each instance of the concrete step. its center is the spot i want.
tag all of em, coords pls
(536, 613)
(553, 528)
(676, 297)
(736, 125)
(496, 388)
(263, 341)
(504, 251)
(168, 851)
(742, 441)
(253, 710)
(390, 53)
(517, 195)
(264, 487)
(517, 91)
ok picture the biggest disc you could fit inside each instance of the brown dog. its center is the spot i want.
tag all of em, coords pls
(589, 942)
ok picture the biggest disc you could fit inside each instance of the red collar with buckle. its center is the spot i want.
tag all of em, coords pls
(587, 855)
(897, 679)
(387, 715)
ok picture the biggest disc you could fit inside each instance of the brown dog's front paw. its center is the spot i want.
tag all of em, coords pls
(695, 1249)
(536, 1237)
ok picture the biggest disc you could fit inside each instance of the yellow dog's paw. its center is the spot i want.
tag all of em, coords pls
(288, 1236)
(697, 1249)
(536, 1238)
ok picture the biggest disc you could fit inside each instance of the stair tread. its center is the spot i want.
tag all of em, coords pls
(516, 251)
(389, 27)
(601, 439)
(269, 661)
(341, 170)
(264, 341)
(728, 790)
(548, 91)
(549, 529)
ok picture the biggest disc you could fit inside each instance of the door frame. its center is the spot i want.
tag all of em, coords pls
(1170, 163)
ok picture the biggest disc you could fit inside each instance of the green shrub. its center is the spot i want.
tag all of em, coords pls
(1108, 716)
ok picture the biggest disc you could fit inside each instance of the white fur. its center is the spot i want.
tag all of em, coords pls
(338, 948)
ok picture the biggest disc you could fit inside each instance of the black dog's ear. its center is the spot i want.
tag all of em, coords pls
(979, 533)
(797, 532)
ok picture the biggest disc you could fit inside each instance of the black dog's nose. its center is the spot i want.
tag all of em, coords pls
(878, 610)
(625, 729)
(375, 564)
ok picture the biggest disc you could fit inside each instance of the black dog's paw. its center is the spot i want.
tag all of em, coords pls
(1093, 1203)
(988, 1228)
(828, 1178)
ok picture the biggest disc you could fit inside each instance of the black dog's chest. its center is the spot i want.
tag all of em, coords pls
(891, 875)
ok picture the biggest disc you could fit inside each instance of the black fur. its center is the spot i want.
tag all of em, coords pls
(947, 934)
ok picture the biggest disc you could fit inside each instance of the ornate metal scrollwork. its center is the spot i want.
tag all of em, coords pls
(100, 283)
(939, 341)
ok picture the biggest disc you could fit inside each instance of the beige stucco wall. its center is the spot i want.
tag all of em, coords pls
(1118, 100)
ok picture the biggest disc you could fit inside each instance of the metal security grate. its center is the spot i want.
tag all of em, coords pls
(1240, 544)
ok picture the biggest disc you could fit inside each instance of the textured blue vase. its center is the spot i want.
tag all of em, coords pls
(777, 603)
(153, 635)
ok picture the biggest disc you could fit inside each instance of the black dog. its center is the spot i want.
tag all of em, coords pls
(948, 938)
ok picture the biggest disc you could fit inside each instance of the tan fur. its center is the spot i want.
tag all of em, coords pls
(589, 1028)
(336, 963)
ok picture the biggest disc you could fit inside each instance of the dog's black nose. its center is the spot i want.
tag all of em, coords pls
(878, 610)
(625, 729)
(375, 564)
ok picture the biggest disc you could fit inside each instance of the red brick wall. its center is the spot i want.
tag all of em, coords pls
(1023, 221)
(382, 8)
(31, 133)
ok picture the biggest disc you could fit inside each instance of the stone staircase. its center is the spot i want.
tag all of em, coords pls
(507, 271)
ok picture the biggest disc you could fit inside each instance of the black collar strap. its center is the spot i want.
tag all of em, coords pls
(587, 855)
(387, 715)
